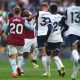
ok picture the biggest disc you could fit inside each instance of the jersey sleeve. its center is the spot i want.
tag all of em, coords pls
(29, 25)
(49, 30)
(65, 14)
(64, 25)
(5, 26)
(37, 15)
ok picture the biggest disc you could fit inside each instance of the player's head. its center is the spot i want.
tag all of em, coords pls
(77, 2)
(17, 10)
(44, 7)
(53, 8)
(10, 15)
(25, 13)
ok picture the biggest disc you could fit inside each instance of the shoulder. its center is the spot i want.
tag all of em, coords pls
(71, 7)
(58, 15)
(21, 18)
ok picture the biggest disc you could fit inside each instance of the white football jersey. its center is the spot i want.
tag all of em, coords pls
(43, 20)
(55, 35)
(73, 20)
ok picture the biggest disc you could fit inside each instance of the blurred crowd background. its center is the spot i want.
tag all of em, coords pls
(32, 5)
(6, 6)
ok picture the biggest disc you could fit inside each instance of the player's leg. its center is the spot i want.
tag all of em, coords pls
(74, 48)
(12, 59)
(29, 50)
(75, 70)
(35, 46)
(20, 64)
(33, 60)
(36, 53)
(79, 51)
(31, 55)
(41, 40)
(48, 51)
(59, 64)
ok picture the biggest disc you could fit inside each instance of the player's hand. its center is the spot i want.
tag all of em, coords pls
(4, 36)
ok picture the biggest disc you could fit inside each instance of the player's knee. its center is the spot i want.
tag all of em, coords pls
(48, 52)
(55, 52)
(25, 55)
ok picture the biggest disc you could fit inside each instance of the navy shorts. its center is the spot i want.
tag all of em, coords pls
(73, 39)
(41, 41)
(52, 46)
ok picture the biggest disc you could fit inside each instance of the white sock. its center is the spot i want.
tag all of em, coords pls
(58, 66)
(20, 62)
(75, 70)
(36, 53)
(44, 61)
(58, 60)
(75, 55)
(48, 64)
(13, 64)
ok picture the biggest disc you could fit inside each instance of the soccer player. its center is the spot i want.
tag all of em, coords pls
(73, 33)
(42, 29)
(55, 38)
(30, 39)
(15, 38)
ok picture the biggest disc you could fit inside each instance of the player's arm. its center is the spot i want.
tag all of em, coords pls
(49, 29)
(29, 25)
(62, 22)
(36, 20)
(4, 30)
(64, 25)
(5, 26)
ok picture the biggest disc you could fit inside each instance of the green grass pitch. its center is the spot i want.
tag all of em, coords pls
(35, 74)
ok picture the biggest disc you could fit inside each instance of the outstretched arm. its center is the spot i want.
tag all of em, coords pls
(29, 25)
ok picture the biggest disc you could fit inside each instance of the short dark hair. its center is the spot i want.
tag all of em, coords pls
(25, 13)
(77, 2)
(53, 8)
(10, 15)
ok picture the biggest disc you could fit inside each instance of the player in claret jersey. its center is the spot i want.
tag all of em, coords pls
(15, 38)
(30, 39)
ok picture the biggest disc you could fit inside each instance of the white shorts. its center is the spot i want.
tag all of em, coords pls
(15, 49)
(29, 43)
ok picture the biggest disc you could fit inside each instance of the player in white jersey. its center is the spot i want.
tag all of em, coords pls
(73, 33)
(55, 38)
(42, 28)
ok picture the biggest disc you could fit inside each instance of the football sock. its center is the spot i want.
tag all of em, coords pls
(13, 64)
(20, 62)
(75, 55)
(58, 61)
(75, 70)
(44, 61)
(58, 66)
(48, 64)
